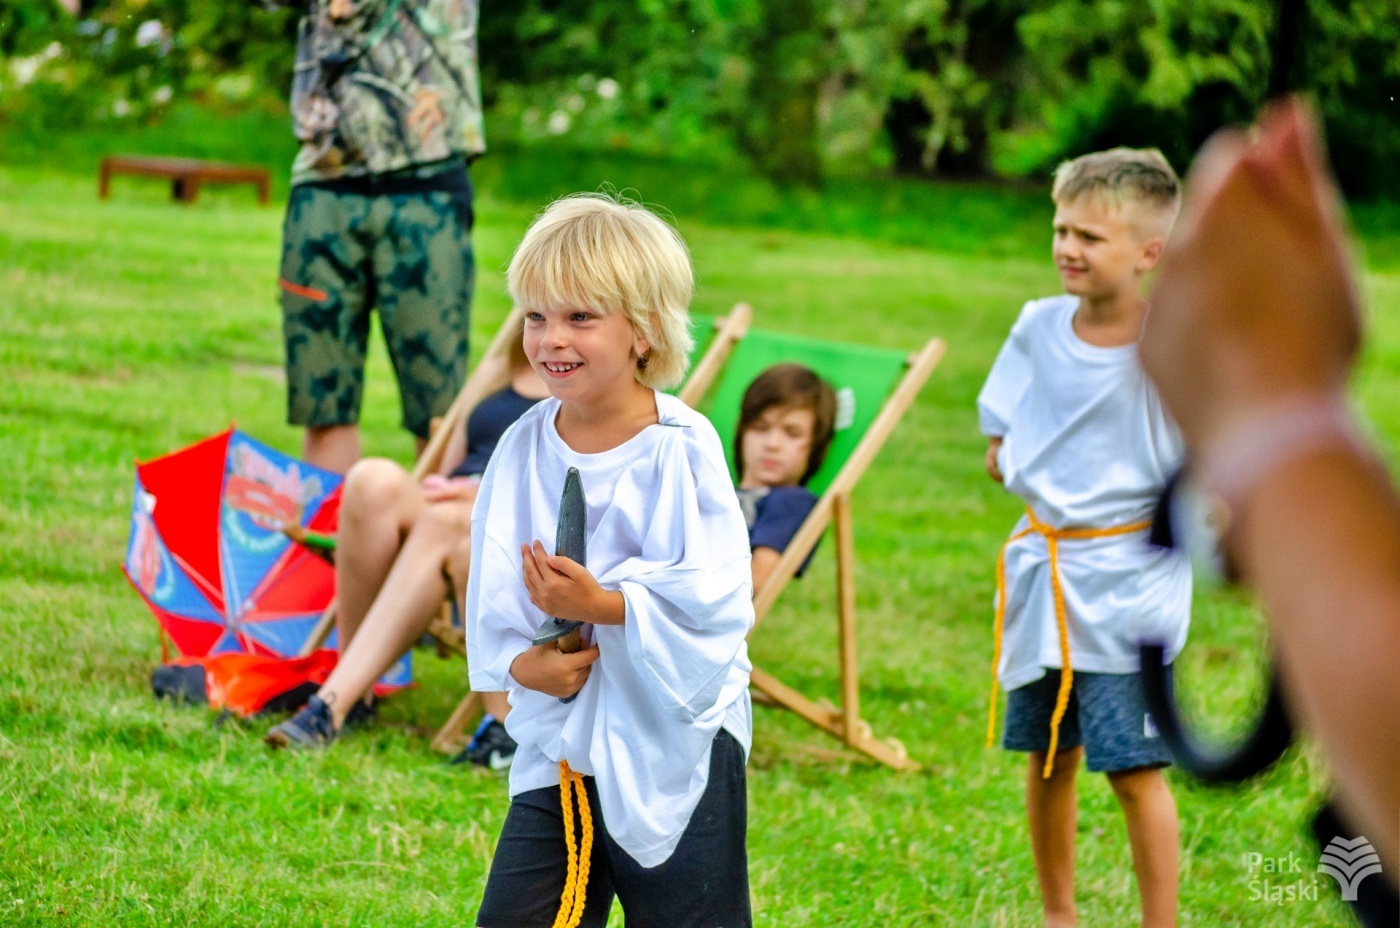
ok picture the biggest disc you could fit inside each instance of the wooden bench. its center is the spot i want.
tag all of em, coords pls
(186, 174)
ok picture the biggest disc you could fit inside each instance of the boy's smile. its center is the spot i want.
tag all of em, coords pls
(582, 355)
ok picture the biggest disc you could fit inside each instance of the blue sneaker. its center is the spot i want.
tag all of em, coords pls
(309, 728)
(491, 746)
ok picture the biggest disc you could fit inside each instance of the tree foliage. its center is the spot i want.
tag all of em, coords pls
(799, 87)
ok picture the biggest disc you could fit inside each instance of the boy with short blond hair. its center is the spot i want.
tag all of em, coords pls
(1075, 430)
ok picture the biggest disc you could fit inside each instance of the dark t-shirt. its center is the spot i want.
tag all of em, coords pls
(485, 426)
(774, 514)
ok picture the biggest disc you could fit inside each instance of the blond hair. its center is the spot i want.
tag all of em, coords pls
(1140, 176)
(596, 251)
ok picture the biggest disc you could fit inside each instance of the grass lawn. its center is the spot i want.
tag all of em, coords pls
(133, 327)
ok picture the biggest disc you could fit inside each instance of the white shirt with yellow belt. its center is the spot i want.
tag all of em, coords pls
(1088, 448)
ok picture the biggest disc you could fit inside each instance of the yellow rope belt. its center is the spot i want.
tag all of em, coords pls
(576, 880)
(1053, 536)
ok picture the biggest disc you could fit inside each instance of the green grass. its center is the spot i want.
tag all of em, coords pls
(134, 326)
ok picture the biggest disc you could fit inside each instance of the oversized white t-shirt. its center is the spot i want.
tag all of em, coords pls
(664, 527)
(1086, 444)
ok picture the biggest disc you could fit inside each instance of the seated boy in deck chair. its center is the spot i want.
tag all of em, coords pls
(786, 422)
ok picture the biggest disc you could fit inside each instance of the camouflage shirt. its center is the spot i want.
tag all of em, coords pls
(391, 87)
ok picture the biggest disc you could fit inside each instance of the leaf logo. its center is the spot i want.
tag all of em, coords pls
(1349, 862)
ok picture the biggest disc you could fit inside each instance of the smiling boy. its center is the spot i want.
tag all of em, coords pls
(1076, 431)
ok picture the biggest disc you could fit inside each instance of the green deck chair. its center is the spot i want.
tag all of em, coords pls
(874, 389)
(715, 338)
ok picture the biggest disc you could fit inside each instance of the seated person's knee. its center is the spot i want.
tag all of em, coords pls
(374, 485)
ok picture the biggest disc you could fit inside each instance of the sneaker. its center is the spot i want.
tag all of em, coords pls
(309, 728)
(180, 682)
(491, 747)
(364, 713)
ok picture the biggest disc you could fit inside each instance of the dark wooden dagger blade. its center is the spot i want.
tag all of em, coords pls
(570, 540)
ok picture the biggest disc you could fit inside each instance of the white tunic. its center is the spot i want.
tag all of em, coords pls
(1087, 444)
(664, 528)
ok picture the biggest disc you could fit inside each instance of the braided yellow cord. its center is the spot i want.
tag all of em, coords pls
(1053, 537)
(1052, 545)
(997, 634)
(576, 878)
(585, 850)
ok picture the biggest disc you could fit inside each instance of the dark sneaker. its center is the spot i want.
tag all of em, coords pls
(309, 728)
(364, 713)
(180, 682)
(491, 747)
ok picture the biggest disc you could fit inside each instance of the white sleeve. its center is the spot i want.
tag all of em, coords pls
(1167, 440)
(1009, 377)
(689, 593)
(497, 609)
(497, 602)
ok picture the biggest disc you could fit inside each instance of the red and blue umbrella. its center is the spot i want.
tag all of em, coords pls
(207, 553)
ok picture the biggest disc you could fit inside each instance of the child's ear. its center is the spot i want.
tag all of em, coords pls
(1151, 253)
(640, 345)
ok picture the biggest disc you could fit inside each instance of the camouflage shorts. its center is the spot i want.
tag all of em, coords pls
(408, 255)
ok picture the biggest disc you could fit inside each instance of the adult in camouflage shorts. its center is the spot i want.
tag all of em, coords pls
(387, 106)
(408, 255)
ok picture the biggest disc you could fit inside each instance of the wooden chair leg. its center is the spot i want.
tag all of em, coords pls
(448, 740)
(320, 632)
(888, 751)
(846, 613)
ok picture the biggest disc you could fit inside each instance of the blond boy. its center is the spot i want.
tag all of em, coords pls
(646, 729)
(1076, 431)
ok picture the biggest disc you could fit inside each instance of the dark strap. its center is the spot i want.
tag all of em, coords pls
(1376, 905)
(1268, 737)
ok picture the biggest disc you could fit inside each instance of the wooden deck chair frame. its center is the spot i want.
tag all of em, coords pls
(727, 331)
(834, 508)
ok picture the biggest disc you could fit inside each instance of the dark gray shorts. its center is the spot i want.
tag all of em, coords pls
(1106, 715)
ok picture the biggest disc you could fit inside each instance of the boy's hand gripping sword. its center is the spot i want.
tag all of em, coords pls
(569, 542)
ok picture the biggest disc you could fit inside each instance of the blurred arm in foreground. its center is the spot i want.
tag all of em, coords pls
(1253, 331)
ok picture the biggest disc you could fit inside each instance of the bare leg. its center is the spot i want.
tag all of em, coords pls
(495, 703)
(1154, 833)
(459, 563)
(1053, 809)
(334, 447)
(403, 609)
(381, 503)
